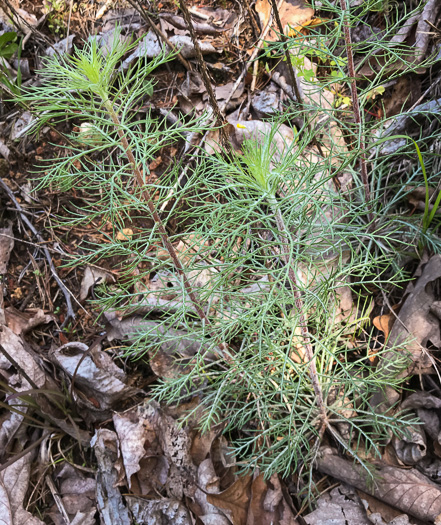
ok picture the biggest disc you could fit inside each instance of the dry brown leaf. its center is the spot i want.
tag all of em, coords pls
(22, 322)
(93, 276)
(124, 235)
(416, 327)
(293, 14)
(411, 448)
(14, 481)
(341, 505)
(137, 439)
(17, 348)
(235, 500)
(76, 490)
(97, 377)
(384, 323)
(382, 514)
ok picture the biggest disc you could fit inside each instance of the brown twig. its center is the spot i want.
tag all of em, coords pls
(70, 314)
(220, 121)
(253, 20)
(356, 109)
(249, 62)
(19, 368)
(26, 451)
(287, 55)
(291, 71)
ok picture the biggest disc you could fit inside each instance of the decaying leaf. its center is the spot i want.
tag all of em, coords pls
(341, 505)
(294, 14)
(93, 276)
(96, 376)
(407, 490)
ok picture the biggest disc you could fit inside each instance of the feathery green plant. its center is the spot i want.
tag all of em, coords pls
(270, 245)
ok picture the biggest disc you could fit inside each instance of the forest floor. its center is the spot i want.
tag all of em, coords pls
(84, 436)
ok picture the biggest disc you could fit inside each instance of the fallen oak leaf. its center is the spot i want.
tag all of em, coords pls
(235, 499)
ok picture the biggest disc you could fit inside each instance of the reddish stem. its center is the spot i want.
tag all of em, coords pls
(356, 109)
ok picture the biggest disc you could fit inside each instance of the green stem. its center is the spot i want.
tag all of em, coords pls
(298, 301)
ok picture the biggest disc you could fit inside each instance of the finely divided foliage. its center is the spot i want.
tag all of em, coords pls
(278, 362)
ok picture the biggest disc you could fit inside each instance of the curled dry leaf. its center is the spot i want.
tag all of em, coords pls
(427, 407)
(97, 376)
(411, 448)
(93, 276)
(175, 347)
(150, 47)
(22, 322)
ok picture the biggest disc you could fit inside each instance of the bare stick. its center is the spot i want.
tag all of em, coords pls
(204, 72)
(70, 314)
(250, 61)
(291, 70)
(356, 109)
(253, 20)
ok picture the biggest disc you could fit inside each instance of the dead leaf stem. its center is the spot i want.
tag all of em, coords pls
(220, 121)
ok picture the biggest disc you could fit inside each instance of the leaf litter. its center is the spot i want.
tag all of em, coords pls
(151, 462)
